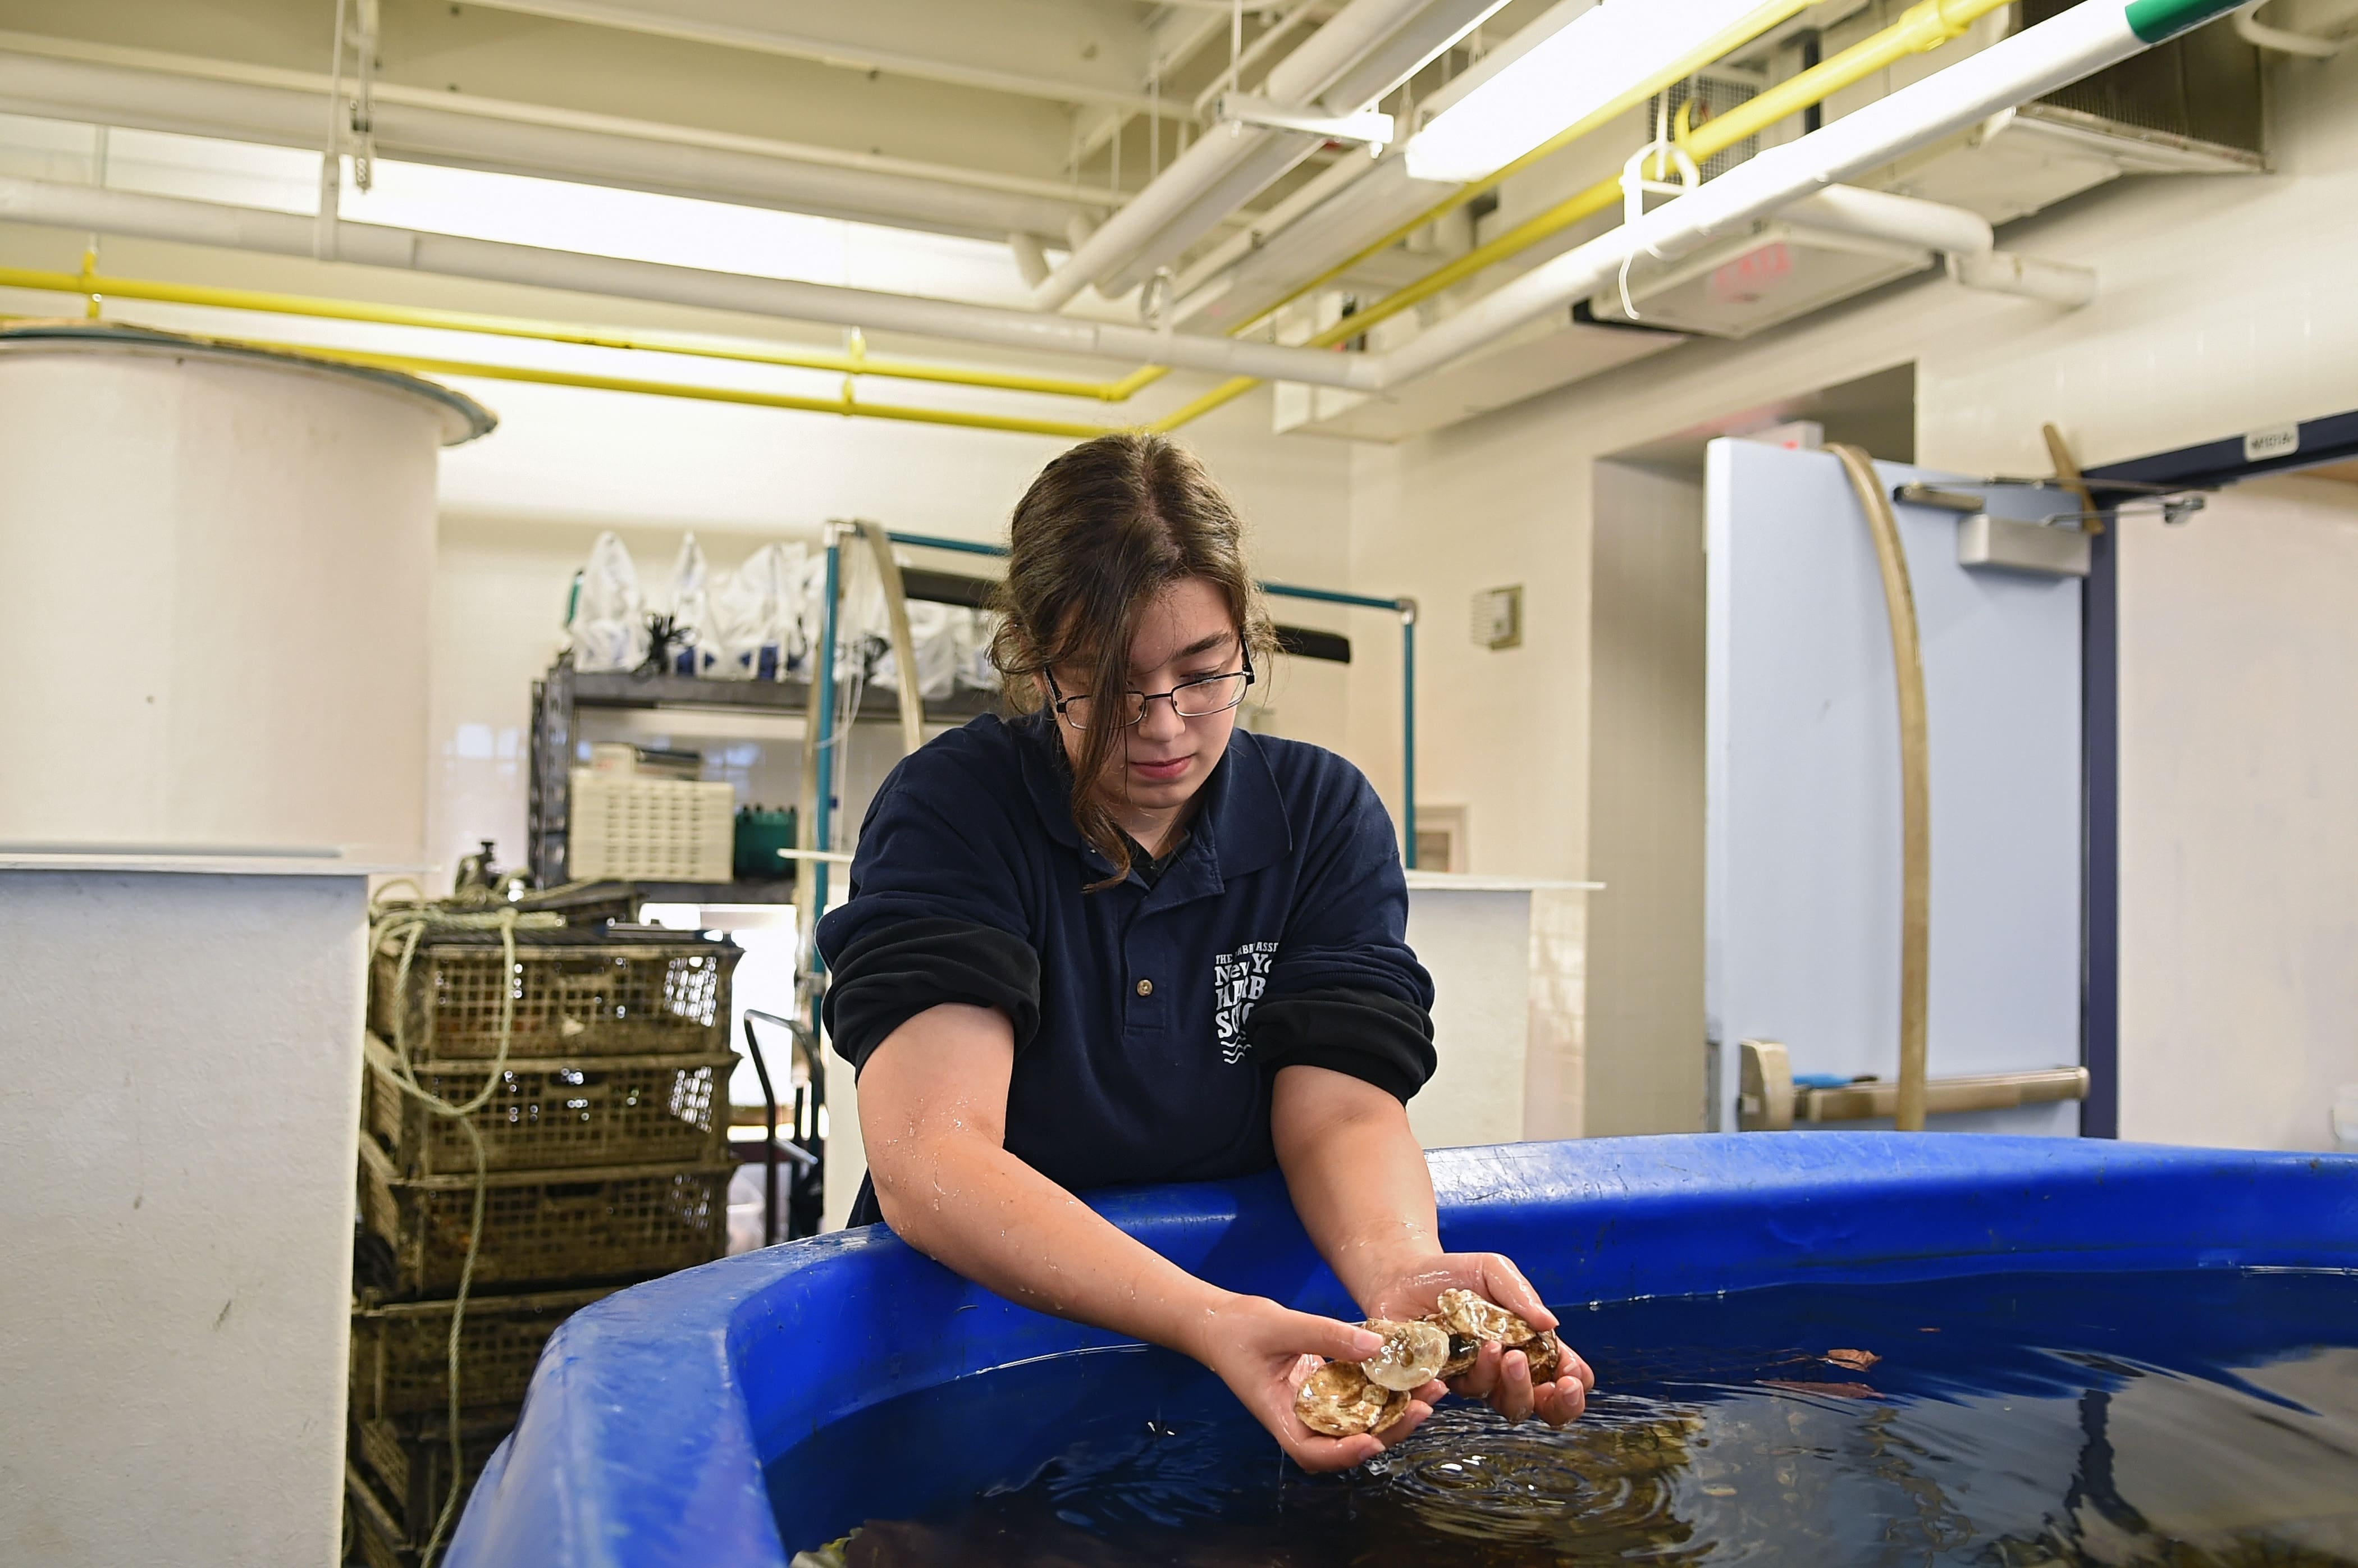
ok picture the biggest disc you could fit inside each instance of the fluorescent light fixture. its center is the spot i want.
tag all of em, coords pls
(1595, 58)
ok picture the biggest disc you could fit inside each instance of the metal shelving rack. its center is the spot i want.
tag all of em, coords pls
(557, 698)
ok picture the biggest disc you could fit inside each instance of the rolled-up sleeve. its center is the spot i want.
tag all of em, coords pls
(935, 916)
(1345, 991)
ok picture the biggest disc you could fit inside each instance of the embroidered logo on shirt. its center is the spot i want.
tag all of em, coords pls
(1236, 981)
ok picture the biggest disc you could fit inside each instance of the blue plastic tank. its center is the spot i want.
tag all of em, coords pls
(652, 1413)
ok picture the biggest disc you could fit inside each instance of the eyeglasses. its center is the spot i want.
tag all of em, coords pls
(1198, 699)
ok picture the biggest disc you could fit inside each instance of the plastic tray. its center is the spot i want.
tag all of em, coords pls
(576, 993)
(593, 1110)
(540, 1227)
(400, 1352)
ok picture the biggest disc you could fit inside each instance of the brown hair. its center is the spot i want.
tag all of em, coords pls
(1104, 529)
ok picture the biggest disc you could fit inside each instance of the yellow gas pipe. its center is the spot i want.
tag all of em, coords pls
(856, 361)
(846, 404)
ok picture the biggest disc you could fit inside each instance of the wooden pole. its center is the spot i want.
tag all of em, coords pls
(1915, 785)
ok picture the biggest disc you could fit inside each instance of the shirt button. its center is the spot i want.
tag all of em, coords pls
(1146, 987)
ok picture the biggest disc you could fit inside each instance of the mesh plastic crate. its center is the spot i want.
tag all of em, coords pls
(600, 1110)
(539, 1227)
(626, 824)
(401, 1352)
(578, 992)
(404, 1470)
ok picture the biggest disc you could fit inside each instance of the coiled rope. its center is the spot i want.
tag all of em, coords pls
(410, 921)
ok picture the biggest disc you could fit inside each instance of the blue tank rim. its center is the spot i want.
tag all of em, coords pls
(653, 1412)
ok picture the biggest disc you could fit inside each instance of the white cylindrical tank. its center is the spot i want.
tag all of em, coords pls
(215, 566)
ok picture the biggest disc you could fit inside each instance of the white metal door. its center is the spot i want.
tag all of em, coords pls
(1803, 834)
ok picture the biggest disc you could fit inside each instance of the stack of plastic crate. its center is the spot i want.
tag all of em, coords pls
(604, 1163)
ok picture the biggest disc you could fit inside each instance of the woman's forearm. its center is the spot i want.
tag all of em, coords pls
(981, 1212)
(1357, 1177)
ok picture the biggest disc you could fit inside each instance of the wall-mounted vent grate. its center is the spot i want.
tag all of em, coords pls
(1713, 96)
(2202, 88)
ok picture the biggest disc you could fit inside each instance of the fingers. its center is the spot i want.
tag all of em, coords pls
(1326, 1337)
(1576, 1367)
(1477, 1381)
(1504, 1379)
(1560, 1403)
(1513, 1397)
(1315, 1453)
(1408, 1421)
(1504, 1283)
(1320, 1454)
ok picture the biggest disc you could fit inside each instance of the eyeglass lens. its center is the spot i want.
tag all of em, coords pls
(1192, 699)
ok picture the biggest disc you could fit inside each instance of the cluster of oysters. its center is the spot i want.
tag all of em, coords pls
(1343, 1398)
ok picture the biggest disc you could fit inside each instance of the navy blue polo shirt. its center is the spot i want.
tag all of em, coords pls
(1149, 1019)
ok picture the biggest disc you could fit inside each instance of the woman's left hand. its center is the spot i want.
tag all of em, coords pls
(1503, 1378)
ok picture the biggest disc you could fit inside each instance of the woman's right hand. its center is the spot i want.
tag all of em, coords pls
(1263, 1352)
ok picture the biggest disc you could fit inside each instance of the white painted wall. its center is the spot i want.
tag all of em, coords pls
(176, 1148)
(1645, 1016)
(2239, 847)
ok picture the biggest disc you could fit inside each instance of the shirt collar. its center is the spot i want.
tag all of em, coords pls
(1240, 825)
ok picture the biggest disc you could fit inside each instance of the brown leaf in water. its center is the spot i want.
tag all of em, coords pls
(1839, 1390)
(1856, 1360)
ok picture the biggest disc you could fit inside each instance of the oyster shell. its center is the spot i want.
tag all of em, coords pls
(1339, 1401)
(1473, 1321)
(1413, 1354)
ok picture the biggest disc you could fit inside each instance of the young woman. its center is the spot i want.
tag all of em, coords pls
(1121, 940)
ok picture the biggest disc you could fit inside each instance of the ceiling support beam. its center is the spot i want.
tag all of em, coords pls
(148, 91)
(842, 46)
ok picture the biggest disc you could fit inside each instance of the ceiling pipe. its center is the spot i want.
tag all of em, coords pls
(1031, 257)
(1254, 52)
(283, 108)
(1964, 238)
(1415, 46)
(2284, 40)
(1202, 282)
(2002, 272)
(2038, 59)
(1178, 193)
(1268, 156)
(1880, 215)
(84, 208)
(1406, 52)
